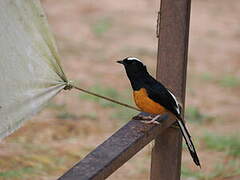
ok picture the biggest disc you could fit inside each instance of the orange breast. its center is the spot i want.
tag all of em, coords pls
(146, 104)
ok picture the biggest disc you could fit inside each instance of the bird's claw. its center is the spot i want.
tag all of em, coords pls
(153, 120)
(150, 122)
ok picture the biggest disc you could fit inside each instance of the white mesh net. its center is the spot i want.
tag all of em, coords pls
(30, 71)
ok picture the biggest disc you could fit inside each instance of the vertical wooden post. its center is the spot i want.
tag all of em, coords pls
(171, 71)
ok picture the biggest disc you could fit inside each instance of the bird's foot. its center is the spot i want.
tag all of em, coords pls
(153, 120)
(150, 122)
(141, 117)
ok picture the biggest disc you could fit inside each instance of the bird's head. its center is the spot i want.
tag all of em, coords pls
(133, 65)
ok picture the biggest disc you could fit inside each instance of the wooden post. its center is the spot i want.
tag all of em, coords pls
(171, 71)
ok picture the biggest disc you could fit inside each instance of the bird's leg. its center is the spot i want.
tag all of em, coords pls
(153, 120)
(142, 117)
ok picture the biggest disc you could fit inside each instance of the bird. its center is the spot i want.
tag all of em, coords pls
(153, 97)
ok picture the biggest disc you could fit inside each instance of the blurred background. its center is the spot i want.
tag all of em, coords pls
(91, 36)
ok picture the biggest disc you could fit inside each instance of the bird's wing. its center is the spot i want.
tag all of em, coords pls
(160, 94)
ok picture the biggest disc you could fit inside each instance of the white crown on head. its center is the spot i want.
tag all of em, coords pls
(133, 58)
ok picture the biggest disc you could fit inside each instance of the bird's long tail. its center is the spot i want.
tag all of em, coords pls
(189, 142)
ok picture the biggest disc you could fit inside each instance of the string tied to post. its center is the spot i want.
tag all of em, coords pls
(71, 84)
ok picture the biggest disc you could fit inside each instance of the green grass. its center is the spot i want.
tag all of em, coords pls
(19, 173)
(54, 106)
(101, 26)
(220, 170)
(123, 114)
(105, 91)
(92, 116)
(228, 144)
(189, 173)
(66, 115)
(207, 76)
(229, 81)
(229, 169)
(193, 114)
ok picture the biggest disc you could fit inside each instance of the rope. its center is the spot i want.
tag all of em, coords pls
(70, 85)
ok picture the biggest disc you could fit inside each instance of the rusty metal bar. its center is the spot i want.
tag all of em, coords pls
(171, 71)
(116, 150)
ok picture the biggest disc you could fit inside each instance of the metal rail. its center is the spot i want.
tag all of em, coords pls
(116, 150)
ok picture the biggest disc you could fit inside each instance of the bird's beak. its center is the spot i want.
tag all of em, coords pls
(120, 62)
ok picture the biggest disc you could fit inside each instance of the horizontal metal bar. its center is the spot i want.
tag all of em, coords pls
(116, 150)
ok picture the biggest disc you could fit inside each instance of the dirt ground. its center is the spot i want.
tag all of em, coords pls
(91, 36)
